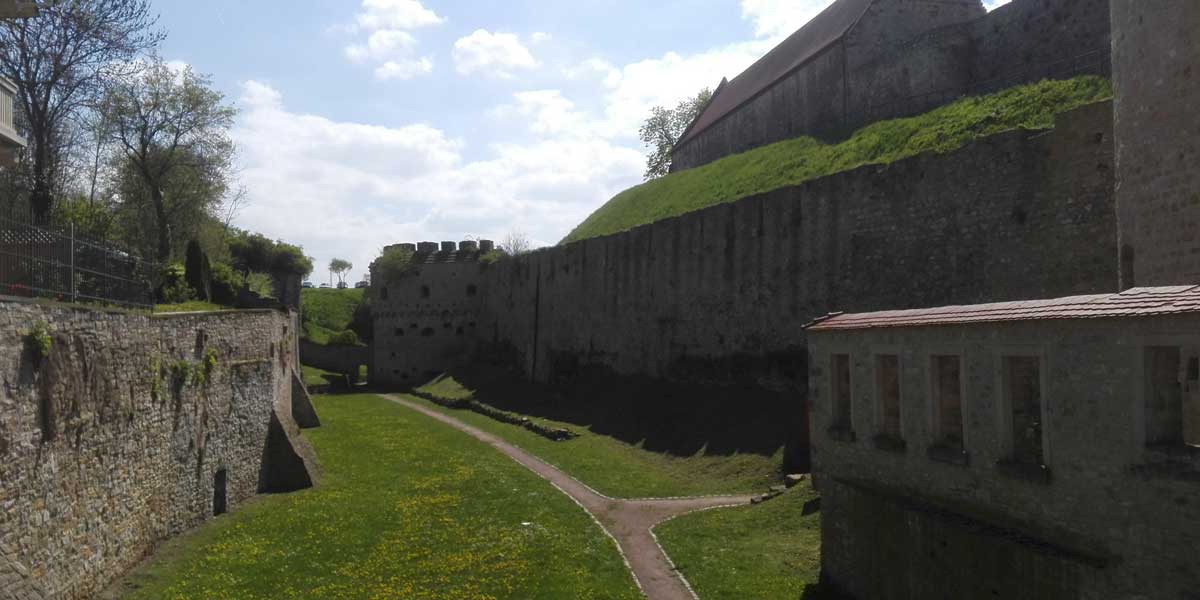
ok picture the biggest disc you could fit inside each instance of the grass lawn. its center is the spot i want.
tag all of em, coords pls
(315, 376)
(622, 470)
(772, 550)
(409, 509)
(328, 311)
(193, 306)
(795, 161)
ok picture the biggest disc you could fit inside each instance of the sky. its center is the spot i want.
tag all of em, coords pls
(365, 123)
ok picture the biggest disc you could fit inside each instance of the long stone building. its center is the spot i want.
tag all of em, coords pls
(861, 61)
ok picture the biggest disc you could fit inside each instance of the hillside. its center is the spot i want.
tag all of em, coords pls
(326, 312)
(795, 161)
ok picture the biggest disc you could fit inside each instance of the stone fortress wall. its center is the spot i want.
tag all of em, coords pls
(904, 58)
(428, 319)
(1156, 63)
(122, 436)
(722, 294)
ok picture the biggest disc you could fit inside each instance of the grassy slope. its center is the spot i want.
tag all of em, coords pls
(409, 509)
(772, 550)
(315, 376)
(795, 161)
(622, 470)
(328, 311)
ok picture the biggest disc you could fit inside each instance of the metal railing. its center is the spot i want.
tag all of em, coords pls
(60, 263)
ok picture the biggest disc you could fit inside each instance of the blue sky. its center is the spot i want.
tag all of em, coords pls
(370, 122)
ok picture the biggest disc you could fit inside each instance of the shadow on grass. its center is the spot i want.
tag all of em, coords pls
(680, 419)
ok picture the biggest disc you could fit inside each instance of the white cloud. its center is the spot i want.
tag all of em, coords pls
(403, 69)
(775, 19)
(396, 14)
(498, 54)
(389, 46)
(994, 4)
(382, 45)
(347, 189)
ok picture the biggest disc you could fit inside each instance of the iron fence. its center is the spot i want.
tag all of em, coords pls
(61, 263)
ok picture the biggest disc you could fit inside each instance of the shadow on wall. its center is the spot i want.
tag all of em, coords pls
(680, 419)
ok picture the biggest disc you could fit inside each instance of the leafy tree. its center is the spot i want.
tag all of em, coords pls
(340, 267)
(173, 131)
(663, 129)
(254, 252)
(61, 62)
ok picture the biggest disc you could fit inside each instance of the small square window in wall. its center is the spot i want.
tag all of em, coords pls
(424, 291)
(1022, 384)
(842, 427)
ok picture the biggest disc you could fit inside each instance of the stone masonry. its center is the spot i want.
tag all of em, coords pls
(1156, 73)
(863, 61)
(1107, 507)
(132, 429)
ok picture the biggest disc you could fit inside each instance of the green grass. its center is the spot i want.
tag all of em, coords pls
(620, 470)
(315, 376)
(409, 508)
(772, 550)
(328, 311)
(795, 161)
(193, 306)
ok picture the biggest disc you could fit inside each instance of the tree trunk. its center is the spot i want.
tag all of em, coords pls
(41, 199)
(164, 229)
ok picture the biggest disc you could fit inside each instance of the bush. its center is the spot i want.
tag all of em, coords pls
(344, 338)
(225, 284)
(394, 263)
(175, 288)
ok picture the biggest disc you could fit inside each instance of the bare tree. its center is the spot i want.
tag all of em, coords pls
(516, 243)
(173, 129)
(60, 62)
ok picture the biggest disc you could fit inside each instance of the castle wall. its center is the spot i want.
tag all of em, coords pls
(722, 293)
(104, 452)
(810, 101)
(1110, 517)
(905, 58)
(1156, 64)
(1028, 40)
(426, 321)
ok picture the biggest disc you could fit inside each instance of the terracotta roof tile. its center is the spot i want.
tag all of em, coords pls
(1136, 302)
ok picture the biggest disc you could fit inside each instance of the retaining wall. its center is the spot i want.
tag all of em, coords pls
(123, 434)
(721, 294)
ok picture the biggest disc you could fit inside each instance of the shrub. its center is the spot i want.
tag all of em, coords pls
(39, 338)
(394, 263)
(174, 288)
(344, 338)
(225, 284)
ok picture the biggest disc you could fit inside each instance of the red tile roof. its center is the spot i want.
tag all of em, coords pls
(1137, 302)
(820, 33)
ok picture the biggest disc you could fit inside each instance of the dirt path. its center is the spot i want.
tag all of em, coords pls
(628, 521)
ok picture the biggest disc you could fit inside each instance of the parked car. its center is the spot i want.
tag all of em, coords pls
(362, 284)
(325, 286)
(342, 285)
(308, 285)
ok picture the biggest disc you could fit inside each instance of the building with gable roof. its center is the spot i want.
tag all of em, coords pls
(862, 61)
